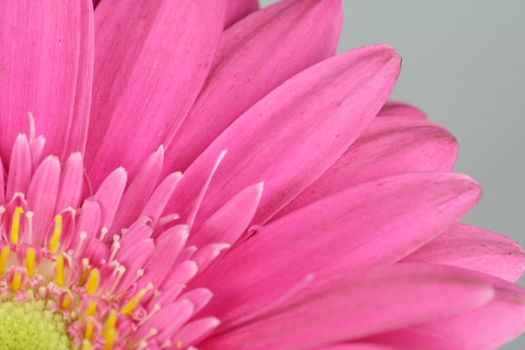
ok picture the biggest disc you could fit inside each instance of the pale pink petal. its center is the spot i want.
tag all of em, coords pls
(133, 258)
(238, 9)
(205, 255)
(165, 49)
(37, 148)
(20, 167)
(194, 331)
(43, 45)
(293, 135)
(231, 220)
(388, 147)
(168, 320)
(156, 204)
(137, 232)
(371, 224)
(71, 182)
(281, 43)
(475, 249)
(89, 222)
(356, 305)
(139, 190)
(401, 109)
(199, 297)
(168, 248)
(181, 273)
(109, 194)
(42, 196)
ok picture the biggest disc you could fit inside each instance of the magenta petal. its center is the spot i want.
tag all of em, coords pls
(475, 249)
(371, 224)
(2, 182)
(401, 109)
(152, 58)
(45, 70)
(484, 328)
(389, 146)
(254, 57)
(353, 306)
(295, 133)
(238, 9)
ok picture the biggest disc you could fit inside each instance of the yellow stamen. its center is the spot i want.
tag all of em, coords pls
(3, 258)
(84, 273)
(55, 238)
(111, 320)
(90, 330)
(59, 271)
(30, 262)
(93, 281)
(16, 282)
(67, 301)
(109, 336)
(92, 308)
(134, 302)
(15, 225)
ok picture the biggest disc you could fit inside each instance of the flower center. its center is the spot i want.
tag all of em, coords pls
(30, 325)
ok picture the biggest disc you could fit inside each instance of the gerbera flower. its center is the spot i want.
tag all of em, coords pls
(168, 184)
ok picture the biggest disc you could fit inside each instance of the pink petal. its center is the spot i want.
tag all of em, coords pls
(371, 224)
(353, 306)
(293, 135)
(109, 194)
(488, 327)
(88, 224)
(156, 204)
(152, 58)
(71, 182)
(2, 182)
(280, 44)
(199, 297)
(231, 220)
(20, 167)
(168, 320)
(475, 249)
(139, 190)
(44, 69)
(42, 196)
(194, 331)
(390, 146)
(238, 9)
(78, 131)
(401, 109)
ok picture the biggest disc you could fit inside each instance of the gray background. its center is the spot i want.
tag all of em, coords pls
(463, 64)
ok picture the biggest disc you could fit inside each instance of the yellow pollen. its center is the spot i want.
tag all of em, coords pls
(134, 302)
(30, 262)
(59, 271)
(15, 225)
(3, 258)
(55, 238)
(16, 282)
(93, 281)
(111, 320)
(84, 273)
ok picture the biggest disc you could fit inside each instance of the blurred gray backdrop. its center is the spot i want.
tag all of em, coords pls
(464, 65)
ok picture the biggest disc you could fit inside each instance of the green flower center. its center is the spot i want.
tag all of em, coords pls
(29, 325)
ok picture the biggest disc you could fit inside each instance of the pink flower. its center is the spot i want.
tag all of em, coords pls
(312, 213)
